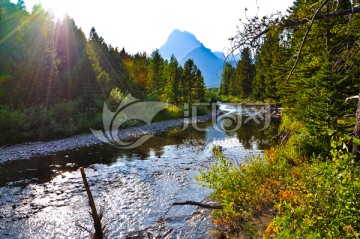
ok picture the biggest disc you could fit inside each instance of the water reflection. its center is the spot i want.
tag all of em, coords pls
(43, 169)
(138, 184)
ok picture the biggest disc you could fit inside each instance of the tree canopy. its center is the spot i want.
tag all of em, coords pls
(55, 79)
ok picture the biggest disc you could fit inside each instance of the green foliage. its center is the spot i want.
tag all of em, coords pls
(171, 112)
(226, 78)
(211, 95)
(245, 191)
(283, 196)
(269, 67)
(322, 79)
(192, 83)
(156, 72)
(308, 186)
(323, 202)
(115, 98)
(12, 123)
(244, 74)
(54, 81)
(238, 82)
(172, 72)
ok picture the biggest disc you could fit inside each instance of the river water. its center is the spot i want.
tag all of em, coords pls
(44, 197)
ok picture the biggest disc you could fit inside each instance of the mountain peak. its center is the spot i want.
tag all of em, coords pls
(179, 43)
(184, 45)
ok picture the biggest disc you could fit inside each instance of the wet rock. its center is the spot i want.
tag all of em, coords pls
(71, 165)
(54, 166)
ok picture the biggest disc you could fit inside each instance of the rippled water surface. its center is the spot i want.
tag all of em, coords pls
(45, 198)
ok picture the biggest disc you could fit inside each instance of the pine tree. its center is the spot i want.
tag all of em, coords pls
(70, 44)
(199, 88)
(226, 76)
(39, 73)
(172, 74)
(156, 72)
(244, 75)
(318, 90)
(268, 67)
(192, 83)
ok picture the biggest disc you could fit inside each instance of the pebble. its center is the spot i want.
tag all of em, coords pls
(29, 150)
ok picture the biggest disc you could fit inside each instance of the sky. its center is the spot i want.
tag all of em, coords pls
(144, 25)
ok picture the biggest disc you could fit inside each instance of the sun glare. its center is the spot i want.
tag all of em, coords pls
(58, 8)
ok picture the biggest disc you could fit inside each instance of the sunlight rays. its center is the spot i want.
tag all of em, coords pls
(17, 28)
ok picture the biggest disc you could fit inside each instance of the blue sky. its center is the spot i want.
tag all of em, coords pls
(143, 25)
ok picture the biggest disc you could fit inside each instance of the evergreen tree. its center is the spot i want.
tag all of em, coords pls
(226, 76)
(108, 65)
(156, 72)
(199, 87)
(137, 67)
(172, 73)
(192, 83)
(244, 75)
(268, 65)
(39, 73)
(12, 52)
(317, 90)
(70, 44)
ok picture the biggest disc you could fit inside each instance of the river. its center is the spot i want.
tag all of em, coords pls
(44, 197)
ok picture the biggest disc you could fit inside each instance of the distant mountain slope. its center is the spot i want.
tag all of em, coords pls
(179, 43)
(184, 45)
(219, 54)
(209, 64)
(232, 59)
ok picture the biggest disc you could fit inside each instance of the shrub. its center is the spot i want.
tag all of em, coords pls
(245, 191)
(12, 125)
(323, 202)
(281, 195)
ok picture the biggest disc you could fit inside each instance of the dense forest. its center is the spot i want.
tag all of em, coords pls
(54, 80)
(308, 186)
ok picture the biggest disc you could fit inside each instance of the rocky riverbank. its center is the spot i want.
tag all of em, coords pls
(30, 150)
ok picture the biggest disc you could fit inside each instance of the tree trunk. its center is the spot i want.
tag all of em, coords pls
(357, 127)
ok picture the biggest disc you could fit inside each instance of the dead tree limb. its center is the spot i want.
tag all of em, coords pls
(99, 234)
(304, 39)
(352, 97)
(255, 29)
(357, 128)
(192, 203)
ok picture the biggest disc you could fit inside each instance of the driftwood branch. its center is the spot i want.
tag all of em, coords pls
(99, 234)
(192, 203)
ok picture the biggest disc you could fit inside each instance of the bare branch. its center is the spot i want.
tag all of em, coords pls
(304, 38)
(192, 203)
(352, 97)
(255, 29)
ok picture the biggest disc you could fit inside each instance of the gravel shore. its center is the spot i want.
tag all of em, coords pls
(30, 150)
